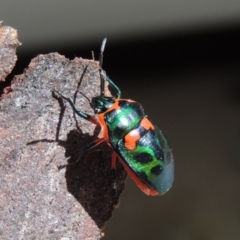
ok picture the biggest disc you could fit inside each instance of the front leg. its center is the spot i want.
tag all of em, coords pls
(79, 112)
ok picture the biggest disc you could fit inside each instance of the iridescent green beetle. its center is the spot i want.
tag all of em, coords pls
(140, 146)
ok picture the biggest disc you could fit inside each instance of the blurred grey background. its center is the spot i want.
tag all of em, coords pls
(180, 60)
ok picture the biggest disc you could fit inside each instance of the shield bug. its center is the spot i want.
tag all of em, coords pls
(140, 146)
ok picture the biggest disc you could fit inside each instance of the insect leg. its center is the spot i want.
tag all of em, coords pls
(114, 173)
(79, 112)
(114, 176)
(82, 151)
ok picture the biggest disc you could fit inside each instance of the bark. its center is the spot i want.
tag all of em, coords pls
(8, 45)
(38, 132)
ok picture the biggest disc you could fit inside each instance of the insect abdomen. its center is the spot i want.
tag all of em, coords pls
(146, 151)
(141, 145)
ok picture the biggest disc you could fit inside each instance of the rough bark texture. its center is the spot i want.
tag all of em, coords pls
(38, 131)
(8, 45)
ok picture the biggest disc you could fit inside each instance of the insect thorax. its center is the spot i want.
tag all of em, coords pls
(123, 119)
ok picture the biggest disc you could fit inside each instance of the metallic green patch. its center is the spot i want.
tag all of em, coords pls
(157, 173)
(123, 120)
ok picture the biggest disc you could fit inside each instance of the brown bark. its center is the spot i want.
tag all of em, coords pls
(8, 45)
(38, 131)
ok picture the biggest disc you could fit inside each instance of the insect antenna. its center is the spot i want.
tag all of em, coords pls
(100, 64)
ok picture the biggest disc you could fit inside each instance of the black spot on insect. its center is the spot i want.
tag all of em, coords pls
(149, 139)
(158, 152)
(123, 103)
(135, 107)
(156, 170)
(143, 157)
(141, 131)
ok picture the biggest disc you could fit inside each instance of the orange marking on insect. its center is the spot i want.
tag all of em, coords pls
(101, 119)
(130, 140)
(114, 158)
(146, 124)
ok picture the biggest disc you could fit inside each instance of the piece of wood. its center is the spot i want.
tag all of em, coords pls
(38, 131)
(8, 46)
